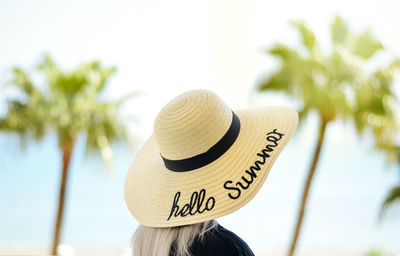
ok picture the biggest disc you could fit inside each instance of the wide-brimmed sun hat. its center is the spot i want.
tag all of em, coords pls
(204, 160)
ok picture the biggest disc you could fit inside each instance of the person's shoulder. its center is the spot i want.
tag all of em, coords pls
(221, 241)
(235, 241)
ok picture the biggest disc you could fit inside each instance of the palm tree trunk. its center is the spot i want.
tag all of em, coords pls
(66, 158)
(307, 185)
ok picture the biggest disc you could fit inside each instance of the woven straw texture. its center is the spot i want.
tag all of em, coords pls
(187, 126)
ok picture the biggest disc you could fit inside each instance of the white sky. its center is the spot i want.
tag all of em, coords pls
(163, 48)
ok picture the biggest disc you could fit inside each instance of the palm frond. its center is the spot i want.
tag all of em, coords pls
(339, 30)
(23, 82)
(307, 35)
(365, 45)
(280, 81)
(392, 197)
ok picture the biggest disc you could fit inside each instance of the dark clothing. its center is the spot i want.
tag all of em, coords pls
(219, 242)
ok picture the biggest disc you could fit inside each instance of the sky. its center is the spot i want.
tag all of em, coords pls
(163, 48)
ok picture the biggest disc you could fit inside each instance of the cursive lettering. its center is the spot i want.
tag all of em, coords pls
(194, 206)
(246, 180)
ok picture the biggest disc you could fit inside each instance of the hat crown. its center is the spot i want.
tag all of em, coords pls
(191, 124)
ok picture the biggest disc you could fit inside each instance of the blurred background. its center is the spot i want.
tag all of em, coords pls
(82, 82)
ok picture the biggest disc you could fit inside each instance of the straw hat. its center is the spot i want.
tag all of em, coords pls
(204, 160)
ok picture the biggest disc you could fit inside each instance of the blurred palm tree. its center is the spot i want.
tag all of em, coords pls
(335, 86)
(68, 105)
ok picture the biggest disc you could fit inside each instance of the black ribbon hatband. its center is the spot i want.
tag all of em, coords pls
(216, 151)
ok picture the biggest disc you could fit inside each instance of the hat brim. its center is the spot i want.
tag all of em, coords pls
(151, 189)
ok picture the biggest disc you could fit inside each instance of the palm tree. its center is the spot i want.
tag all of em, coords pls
(334, 86)
(68, 105)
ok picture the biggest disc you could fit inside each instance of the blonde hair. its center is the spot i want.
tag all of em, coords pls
(150, 241)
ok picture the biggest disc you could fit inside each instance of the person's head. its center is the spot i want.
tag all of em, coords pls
(152, 241)
(203, 161)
